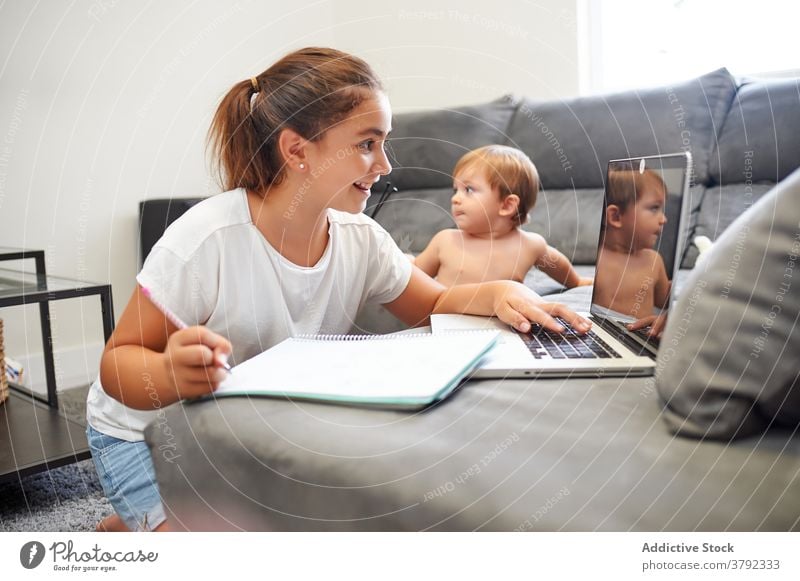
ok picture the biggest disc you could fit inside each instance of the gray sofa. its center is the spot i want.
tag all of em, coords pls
(573, 454)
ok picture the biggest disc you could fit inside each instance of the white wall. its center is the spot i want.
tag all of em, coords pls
(104, 103)
(452, 52)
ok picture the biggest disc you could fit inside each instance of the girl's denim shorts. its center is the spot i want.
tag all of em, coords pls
(128, 477)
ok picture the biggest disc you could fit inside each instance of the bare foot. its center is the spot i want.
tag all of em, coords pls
(112, 524)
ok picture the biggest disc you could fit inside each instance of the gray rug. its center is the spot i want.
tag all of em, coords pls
(65, 499)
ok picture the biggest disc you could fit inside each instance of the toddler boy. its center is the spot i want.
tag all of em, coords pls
(494, 188)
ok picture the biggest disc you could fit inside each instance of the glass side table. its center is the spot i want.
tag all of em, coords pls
(33, 435)
(21, 288)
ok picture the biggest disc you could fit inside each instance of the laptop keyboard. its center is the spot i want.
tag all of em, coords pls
(570, 345)
(643, 334)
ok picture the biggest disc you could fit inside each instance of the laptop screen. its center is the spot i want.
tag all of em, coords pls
(640, 236)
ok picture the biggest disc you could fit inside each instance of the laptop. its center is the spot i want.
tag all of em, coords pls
(642, 229)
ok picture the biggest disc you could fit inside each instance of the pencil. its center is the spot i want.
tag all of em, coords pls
(173, 318)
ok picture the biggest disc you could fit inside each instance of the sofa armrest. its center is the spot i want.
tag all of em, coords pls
(154, 217)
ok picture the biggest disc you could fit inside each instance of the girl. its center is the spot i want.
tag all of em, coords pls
(285, 251)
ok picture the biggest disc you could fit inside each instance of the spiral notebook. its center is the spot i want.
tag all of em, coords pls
(400, 371)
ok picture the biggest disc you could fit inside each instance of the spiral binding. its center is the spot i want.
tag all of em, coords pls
(310, 337)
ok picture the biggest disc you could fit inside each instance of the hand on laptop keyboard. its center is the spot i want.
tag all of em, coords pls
(653, 325)
(544, 343)
(568, 323)
(518, 306)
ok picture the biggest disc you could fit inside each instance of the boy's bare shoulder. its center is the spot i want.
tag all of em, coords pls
(446, 238)
(654, 257)
(448, 235)
(533, 240)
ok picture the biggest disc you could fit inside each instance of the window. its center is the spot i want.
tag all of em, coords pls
(628, 43)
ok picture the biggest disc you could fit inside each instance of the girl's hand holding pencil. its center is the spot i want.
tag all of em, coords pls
(196, 358)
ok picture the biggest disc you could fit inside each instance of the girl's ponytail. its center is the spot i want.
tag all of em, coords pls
(308, 91)
(235, 142)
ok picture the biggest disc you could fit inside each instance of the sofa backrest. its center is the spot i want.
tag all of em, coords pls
(571, 141)
(425, 146)
(760, 139)
(758, 145)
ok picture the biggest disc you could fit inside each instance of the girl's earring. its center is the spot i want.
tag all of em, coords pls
(302, 166)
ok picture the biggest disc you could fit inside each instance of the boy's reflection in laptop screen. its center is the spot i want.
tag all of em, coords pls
(633, 278)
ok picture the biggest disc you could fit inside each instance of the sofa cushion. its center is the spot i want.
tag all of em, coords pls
(727, 365)
(571, 141)
(714, 208)
(760, 139)
(693, 208)
(570, 221)
(425, 146)
(413, 217)
(374, 319)
(723, 204)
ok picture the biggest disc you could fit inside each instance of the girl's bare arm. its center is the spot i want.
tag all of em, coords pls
(148, 363)
(511, 302)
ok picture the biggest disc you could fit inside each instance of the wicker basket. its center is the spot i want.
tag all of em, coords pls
(3, 380)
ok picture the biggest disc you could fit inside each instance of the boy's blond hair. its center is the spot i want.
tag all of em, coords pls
(625, 187)
(509, 171)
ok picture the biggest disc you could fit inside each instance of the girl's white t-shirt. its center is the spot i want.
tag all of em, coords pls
(213, 267)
